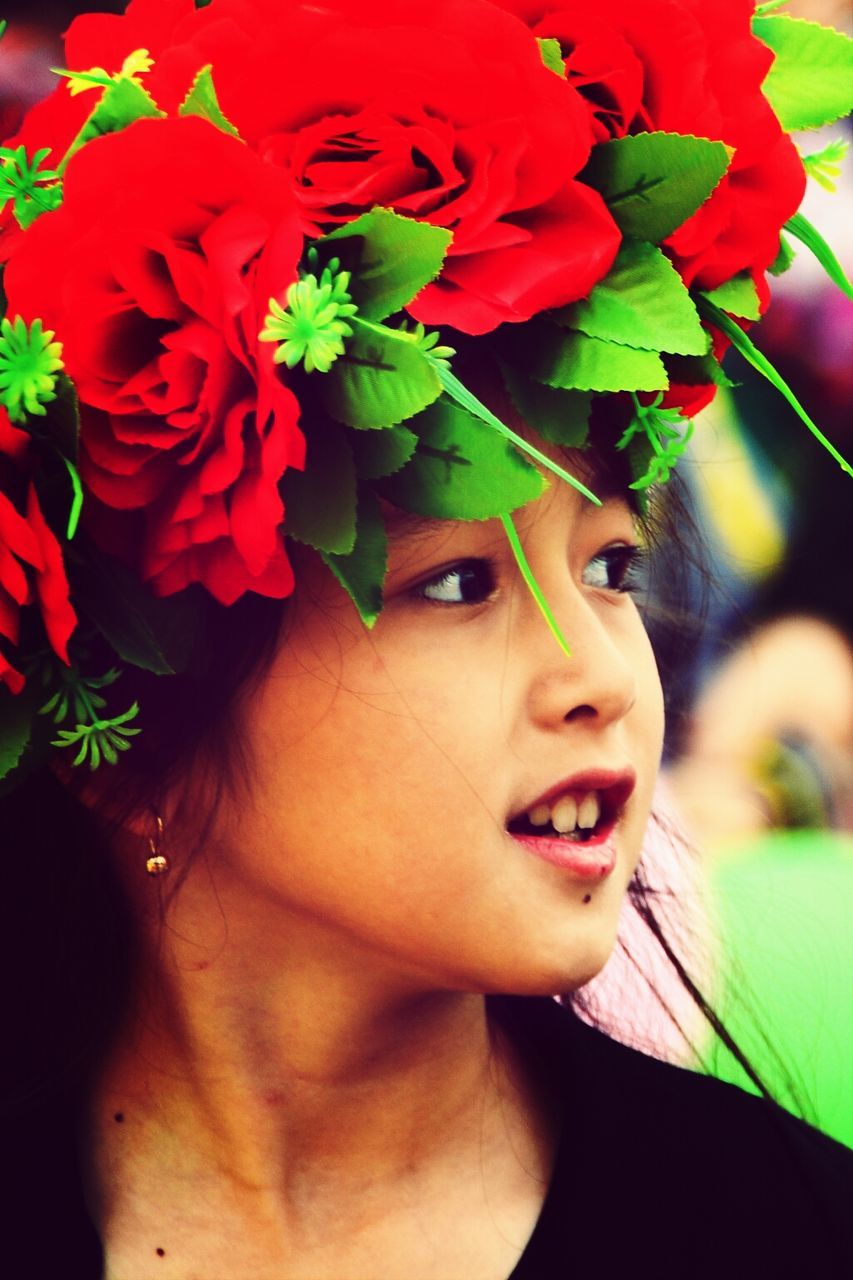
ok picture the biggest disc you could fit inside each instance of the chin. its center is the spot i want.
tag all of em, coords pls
(562, 968)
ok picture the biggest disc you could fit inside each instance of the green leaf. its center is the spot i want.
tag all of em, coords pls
(738, 296)
(362, 572)
(552, 55)
(560, 417)
(697, 371)
(653, 182)
(381, 453)
(469, 402)
(575, 361)
(121, 103)
(461, 470)
(320, 501)
(808, 235)
(391, 259)
(783, 258)
(148, 631)
(642, 302)
(203, 101)
(383, 378)
(759, 361)
(16, 720)
(811, 81)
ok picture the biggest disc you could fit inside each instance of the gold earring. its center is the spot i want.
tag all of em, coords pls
(157, 864)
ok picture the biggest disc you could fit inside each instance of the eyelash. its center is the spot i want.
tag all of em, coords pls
(628, 562)
(472, 568)
(624, 561)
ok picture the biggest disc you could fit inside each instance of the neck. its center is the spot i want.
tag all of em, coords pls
(299, 1068)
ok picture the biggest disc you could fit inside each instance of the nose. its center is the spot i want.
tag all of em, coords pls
(597, 683)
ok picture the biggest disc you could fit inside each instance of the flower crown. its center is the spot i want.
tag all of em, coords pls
(243, 242)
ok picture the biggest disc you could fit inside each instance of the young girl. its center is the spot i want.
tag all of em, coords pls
(358, 803)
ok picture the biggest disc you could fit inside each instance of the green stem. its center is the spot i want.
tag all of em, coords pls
(534, 587)
(76, 501)
(759, 361)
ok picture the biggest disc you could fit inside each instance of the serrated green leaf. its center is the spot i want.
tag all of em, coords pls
(391, 259)
(738, 296)
(148, 631)
(808, 235)
(558, 416)
(202, 101)
(653, 182)
(16, 719)
(697, 371)
(759, 361)
(383, 378)
(120, 104)
(319, 502)
(362, 572)
(461, 470)
(640, 454)
(784, 257)
(811, 81)
(642, 302)
(458, 392)
(575, 361)
(381, 453)
(552, 55)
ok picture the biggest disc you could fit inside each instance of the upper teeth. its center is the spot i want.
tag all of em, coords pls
(567, 813)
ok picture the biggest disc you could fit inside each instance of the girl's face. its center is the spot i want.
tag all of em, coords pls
(389, 764)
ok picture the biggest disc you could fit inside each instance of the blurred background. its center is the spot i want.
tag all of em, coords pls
(759, 764)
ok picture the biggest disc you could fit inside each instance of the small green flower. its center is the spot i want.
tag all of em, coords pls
(825, 165)
(95, 736)
(100, 740)
(313, 325)
(29, 362)
(667, 434)
(23, 181)
(427, 344)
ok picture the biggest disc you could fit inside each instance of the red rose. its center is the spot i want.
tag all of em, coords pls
(442, 111)
(31, 567)
(157, 271)
(691, 67)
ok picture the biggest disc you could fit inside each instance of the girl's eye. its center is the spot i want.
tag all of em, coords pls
(469, 582)
(617, 568)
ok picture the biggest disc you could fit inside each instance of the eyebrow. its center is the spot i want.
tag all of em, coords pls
(407, 524)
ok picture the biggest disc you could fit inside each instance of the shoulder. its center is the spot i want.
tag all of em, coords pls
(687, 1158)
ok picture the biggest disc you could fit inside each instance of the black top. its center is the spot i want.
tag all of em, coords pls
(658, 1169)
(667, 1173)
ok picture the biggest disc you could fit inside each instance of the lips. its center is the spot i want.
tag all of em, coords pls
(582, 808)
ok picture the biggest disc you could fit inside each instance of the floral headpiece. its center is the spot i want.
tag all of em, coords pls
(243, 242)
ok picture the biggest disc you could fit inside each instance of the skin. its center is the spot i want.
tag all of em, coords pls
(309, 1084)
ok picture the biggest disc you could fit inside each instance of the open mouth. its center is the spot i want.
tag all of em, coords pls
(578, 814)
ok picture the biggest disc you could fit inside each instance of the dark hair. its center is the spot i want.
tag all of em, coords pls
(68, 933)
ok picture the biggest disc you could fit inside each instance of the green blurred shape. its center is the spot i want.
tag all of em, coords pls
(785, 919)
